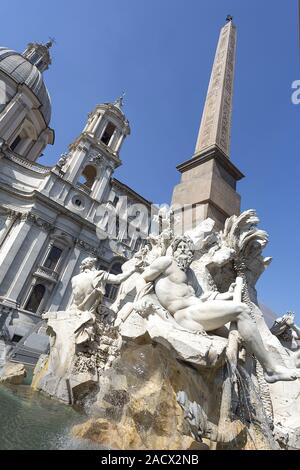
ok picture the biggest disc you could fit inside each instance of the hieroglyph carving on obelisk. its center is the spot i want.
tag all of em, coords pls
(215, 125)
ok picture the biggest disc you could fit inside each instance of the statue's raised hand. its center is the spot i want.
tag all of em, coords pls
(138, 265)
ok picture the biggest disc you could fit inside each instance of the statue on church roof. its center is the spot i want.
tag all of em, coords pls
(119, 101)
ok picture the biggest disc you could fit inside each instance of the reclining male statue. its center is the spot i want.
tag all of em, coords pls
(175, 288)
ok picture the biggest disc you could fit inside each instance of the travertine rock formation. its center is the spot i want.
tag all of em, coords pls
(13, 373)
(138, 407)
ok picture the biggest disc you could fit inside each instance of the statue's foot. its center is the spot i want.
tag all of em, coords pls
(201, 331)
(282, 374)
(194, 332)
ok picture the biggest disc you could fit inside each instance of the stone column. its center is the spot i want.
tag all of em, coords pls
(11, 247)
(101, 185)
(76, 163)
(93, 122)
(119, 143)
(60, 291)
(25, 260)
(11, 217)
(37, 148)
(12, 116)
(96, 123)
(114, 140)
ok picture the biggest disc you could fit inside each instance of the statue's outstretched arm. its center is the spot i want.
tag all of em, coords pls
(156, 268)
(119, 278)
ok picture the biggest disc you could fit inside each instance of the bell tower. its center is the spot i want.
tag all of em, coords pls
(94, 155)
(208, 180)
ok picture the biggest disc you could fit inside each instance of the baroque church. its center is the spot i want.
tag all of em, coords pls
(49, 216)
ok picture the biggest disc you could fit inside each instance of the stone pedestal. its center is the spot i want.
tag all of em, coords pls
(207, 189)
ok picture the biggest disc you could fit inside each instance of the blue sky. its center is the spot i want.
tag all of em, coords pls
(161, 52)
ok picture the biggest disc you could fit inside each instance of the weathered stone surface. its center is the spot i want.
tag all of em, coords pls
(82, 384)
(134, 328)
(140, 410)
(126, 437)
(137, 406)
(13, 373)
(68, 389)
(199, 350)
(40, 370)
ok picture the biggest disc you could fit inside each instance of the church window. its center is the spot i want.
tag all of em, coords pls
(34, 57)
(88, 176)
(111, 290)
(77, 202)
(115, 201)
(107, 134)
(15, 143)
(35, 298)
(117, 226)
(24, 139)
(53, 257)
(16, 338)
(138, 244)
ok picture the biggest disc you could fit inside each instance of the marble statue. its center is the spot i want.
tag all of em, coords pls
(62, 161)
(287, 331)
(76, 335)
(176, 290)
(89, 286)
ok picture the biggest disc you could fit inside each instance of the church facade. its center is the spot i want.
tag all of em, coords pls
(49, 216)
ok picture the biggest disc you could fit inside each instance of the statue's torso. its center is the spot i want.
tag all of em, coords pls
(172, 289)
(83, 289)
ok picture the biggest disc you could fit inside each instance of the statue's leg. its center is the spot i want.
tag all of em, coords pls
(211, 315)
(214, 314)
(251, 335)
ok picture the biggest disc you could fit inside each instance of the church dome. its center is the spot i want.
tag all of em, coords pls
(22, 71)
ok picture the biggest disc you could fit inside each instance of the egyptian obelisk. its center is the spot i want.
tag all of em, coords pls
(208, 179)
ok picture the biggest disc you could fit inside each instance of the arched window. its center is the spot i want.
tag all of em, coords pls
(35, 298)
(53, 257)
(108, 132)
(26, 136)
(88, 176)
(111, 290)
(15, 143)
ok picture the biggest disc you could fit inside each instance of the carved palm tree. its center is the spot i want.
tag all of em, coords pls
(241, 235)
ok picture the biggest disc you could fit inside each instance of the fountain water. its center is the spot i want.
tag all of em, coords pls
(31, 421)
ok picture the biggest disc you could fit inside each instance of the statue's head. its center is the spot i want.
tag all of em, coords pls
(288, 318)
(183, 249)
(88, 264)
(282, 326)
